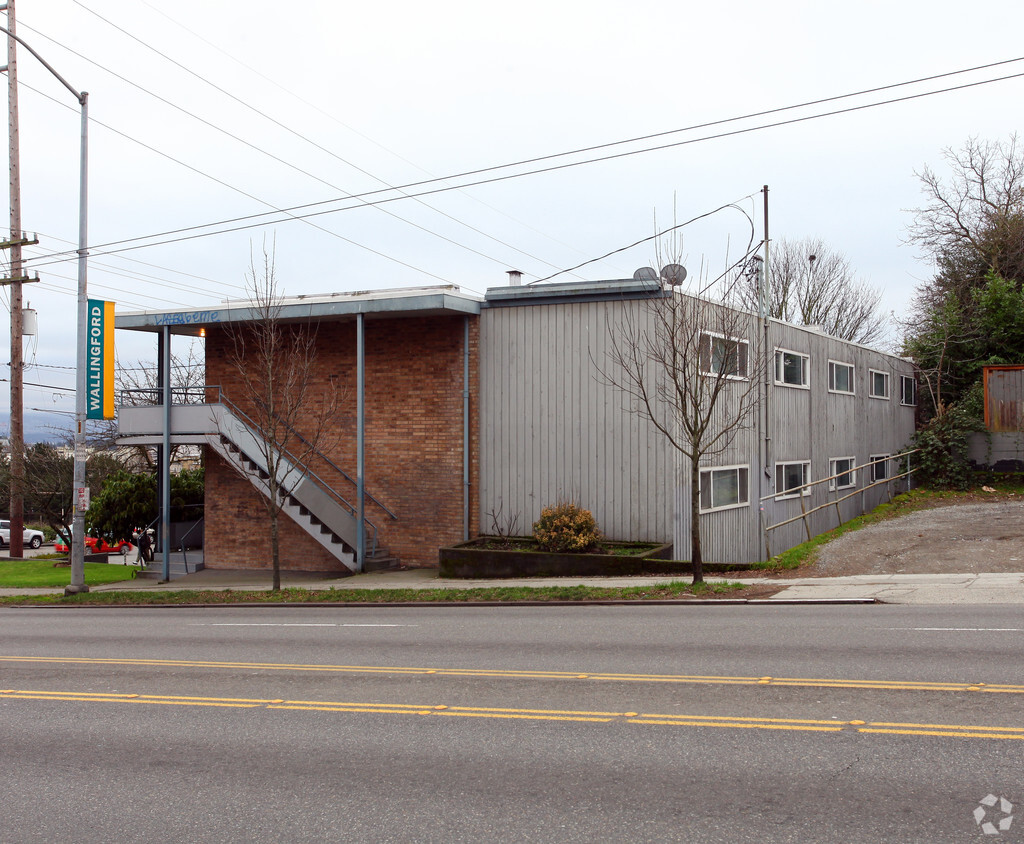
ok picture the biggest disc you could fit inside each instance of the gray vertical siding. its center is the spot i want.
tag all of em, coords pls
(820, 426)
(552, 429)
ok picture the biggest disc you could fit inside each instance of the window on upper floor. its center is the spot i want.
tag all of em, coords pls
(791, 368)
(908, 390)
(840, 377)
(878, 384)
(845, 476)
(791, 479)
(721, 355)
(724, 488)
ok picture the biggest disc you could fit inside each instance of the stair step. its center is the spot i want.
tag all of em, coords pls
(376, 563)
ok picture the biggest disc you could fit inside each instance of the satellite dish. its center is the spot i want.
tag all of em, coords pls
(645, 274)
(674, 274)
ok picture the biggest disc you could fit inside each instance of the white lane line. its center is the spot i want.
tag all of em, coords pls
(963, 629)
(295, 624)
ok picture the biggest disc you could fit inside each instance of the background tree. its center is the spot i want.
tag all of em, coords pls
(276, 366)
(812, 284)
(127, 501)
(968, 314)
(972, 223)
(49, 483)
(692, 367)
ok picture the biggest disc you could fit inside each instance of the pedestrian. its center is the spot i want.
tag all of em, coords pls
(146, 546)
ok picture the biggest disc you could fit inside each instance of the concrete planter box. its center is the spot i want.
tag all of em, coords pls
(472, 559)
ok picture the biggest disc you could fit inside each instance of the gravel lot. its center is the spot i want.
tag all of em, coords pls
(951, 539)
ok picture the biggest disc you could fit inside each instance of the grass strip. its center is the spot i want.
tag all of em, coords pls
(499, 594)
(40, 573)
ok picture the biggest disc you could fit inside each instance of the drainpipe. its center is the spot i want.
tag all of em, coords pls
(769, 362)
(165, 458)
(465, 429)
(360, 443)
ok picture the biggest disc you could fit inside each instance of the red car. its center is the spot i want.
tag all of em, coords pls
(94, 545)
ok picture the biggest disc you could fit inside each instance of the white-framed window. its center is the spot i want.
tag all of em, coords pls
(878, 384)
(840, 377)
(791, 479)
(908, 390)
(725, 487)
(791, 368)
(880, 470)
(843, 472)
(721, 355)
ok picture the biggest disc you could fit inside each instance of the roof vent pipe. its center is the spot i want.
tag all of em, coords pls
(515, 278)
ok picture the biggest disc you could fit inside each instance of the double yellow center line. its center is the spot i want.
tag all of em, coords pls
(599, 717)
(807, 682)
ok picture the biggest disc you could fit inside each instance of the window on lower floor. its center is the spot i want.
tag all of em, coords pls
(725, 487)
(880, 468)
(878, 384)
(840, 377)
(791, 368)
(791, 479)
(844, 475)
(908, 390)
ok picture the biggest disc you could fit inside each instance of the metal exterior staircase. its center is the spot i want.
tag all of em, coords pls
(311, 503)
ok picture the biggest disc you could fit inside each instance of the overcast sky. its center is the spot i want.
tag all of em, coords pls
(211, 112)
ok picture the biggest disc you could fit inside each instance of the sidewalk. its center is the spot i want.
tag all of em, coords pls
(887, 588)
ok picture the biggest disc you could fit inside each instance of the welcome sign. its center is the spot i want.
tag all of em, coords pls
(99, 365)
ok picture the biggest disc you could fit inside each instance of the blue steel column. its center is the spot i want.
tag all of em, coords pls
(360, 443)
(165, 479)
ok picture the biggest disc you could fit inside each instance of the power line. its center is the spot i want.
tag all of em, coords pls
(141, 275)
(284, 162)
(291, 130)
(541, 170)
(230, 187)
(271, 80)
(662, 233)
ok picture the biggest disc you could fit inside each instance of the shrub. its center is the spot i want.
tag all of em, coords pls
(942, 459)
(566, 528)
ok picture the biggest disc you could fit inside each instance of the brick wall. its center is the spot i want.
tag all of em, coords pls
(414, 443)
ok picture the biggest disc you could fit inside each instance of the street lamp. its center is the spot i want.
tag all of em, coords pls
(80, 496)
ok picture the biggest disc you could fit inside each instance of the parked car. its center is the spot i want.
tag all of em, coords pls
(29, 536)
(98, 545)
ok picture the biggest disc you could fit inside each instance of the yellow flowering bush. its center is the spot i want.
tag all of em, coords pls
(566, 528)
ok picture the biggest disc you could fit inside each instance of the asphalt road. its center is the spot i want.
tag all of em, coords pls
(693, 723)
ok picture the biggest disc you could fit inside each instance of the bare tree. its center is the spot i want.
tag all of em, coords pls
(136, 384)
(972, 226)
(973, 221)
(809, 283)
(276, 366)
(691, 366)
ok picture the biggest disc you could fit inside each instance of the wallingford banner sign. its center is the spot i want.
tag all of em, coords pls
(99, 361)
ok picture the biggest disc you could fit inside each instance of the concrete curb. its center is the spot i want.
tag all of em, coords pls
(704, 602)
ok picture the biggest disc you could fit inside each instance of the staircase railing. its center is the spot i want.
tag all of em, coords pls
(300, 470)
(202, 395)
(214, 394)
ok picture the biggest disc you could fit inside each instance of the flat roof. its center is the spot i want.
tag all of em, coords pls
(580, 291)
(444, 300)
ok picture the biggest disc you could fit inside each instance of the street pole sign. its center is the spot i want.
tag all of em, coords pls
(99, 374)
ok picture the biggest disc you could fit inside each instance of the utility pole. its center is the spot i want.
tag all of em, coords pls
(16, 241)
(80, 492)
